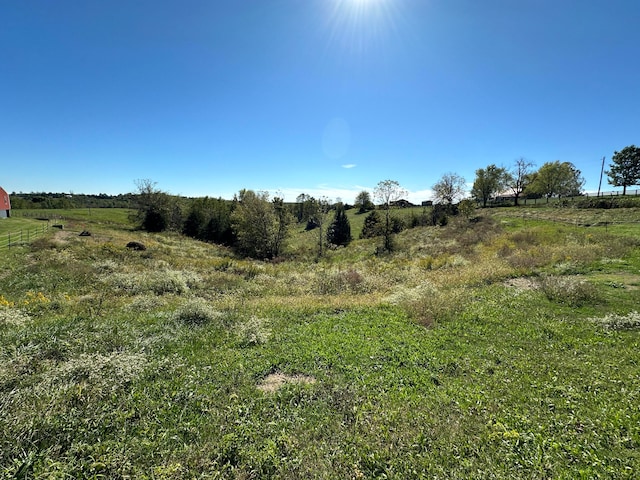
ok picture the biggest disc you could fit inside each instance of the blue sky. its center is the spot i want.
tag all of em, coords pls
(325, 97)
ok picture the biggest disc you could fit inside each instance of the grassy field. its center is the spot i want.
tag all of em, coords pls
(500, 347)
(16, 224)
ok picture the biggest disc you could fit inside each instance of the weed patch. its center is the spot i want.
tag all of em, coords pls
(569, 291)
(197, 312)
(613, 321)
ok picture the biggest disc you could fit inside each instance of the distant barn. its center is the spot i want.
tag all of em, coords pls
(5, 204)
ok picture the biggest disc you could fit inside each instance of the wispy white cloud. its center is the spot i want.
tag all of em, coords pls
(349, 165)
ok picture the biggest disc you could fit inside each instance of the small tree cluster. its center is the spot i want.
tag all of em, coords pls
(555, 179)
(209, 219)
(260, 224)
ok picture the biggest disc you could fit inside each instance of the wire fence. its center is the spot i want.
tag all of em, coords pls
(615, 193)
(523, 200)
(21, 237)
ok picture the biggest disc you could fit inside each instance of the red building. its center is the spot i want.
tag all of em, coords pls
(5, 204)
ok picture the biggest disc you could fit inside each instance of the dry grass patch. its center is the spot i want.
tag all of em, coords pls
(522, 283)
(275, 381)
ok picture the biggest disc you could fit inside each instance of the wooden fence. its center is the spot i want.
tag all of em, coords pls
(26, 235)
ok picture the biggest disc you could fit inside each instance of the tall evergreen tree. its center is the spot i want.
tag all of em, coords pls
(339, 232)
(372, 225)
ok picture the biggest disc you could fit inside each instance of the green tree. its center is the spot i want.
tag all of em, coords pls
(625, 168)
(260, 225)
(489, 181)
(219, 228)
(466, 208)
(194, 224)
(363, 202)
(561, 179)
(210, 220)
(152, 207)
(372, 225)
(339, 231)
(449, 188)
(305, 207)
(388, 192)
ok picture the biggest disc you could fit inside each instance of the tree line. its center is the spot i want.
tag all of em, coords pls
(552, 179)
(256, 225)
(49, 200)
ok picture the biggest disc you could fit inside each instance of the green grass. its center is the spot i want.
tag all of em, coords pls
(15, 224)
(499, 348)
(92, 216)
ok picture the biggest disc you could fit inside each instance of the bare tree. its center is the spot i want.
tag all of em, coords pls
(388, 192)
(519, 177)
(321, 210)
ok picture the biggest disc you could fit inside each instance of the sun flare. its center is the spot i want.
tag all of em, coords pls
(358, 25)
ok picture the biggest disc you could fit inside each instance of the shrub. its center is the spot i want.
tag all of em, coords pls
(253, 332)
(333, 283)
(196, 312)
(568, 291)
(427, 304)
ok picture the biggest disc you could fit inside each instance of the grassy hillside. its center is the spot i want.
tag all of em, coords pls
(502, 347)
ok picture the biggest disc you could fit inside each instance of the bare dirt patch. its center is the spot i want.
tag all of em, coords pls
(64, 236)
(275, 381)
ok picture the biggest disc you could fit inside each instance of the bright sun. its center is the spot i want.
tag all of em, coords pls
(360, 25)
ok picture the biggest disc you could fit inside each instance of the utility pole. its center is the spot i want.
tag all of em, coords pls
(601, 172)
